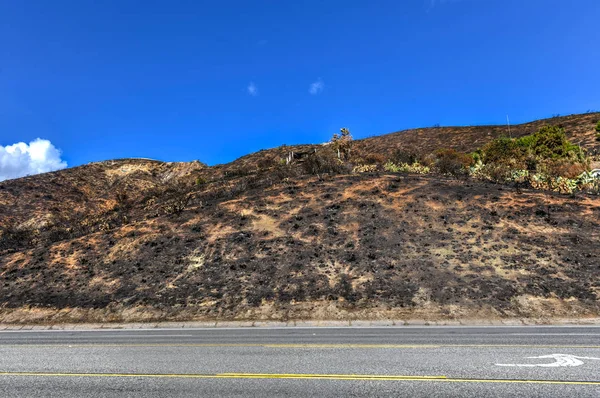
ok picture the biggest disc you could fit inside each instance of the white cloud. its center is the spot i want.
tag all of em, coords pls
(21, 159)
(316, 87)
(252, 89)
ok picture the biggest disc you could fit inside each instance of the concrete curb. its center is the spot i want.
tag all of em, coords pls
(314, 323)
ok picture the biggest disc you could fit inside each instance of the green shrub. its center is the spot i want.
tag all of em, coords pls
(525, 141)
(543, 160)
(477, 156)
(598, 127)
(391, 167)
(365, 168)
(528, 152)
(416, 168)
(550, 142)
(504, 149)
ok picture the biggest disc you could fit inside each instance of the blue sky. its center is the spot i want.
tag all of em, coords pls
(214, 80)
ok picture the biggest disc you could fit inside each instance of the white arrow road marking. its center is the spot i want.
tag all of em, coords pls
(561, 360)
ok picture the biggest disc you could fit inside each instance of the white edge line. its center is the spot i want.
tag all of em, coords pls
(397, 327)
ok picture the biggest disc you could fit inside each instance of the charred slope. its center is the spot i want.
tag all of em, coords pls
(140, 239)
(361, 246)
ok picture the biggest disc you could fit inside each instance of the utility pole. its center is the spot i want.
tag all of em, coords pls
(508, 124)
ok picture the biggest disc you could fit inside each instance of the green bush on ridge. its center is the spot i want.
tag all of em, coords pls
(550, 142)
(543, 160)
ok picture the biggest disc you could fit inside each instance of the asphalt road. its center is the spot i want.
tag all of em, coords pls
(303, 362)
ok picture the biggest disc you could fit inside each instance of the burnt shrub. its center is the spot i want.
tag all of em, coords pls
(255, 297)
(284, 170)
(374, 158)
(238, 172)
(343, 288)
(176, 197)
(393, 290)
(342, 143)
(294, 290)
(452, 162)
(267, 163)
(324, 161)
(12, 238)
(59, 232)
(362, 155)
(123, 200)
(406, 155)
(562, 168)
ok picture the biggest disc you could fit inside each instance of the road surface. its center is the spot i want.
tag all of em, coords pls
(303, 362)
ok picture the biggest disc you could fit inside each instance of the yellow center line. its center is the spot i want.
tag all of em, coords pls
(302, 376)
(230, 376)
